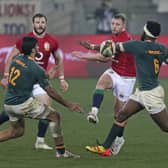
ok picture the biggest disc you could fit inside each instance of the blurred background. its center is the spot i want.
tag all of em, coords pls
(73, 20)
(78, 16)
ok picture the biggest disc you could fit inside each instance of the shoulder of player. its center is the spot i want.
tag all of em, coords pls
(133, 42)
(125, 34)
(50, 36)
(52, 40)
(162, 45)
(34, 66)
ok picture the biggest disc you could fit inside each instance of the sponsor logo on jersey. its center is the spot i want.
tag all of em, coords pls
(154, 52)
(46, 46)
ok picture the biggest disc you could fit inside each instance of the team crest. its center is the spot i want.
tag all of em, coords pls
(46, 46)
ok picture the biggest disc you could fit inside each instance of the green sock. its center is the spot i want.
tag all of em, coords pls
(115, 131)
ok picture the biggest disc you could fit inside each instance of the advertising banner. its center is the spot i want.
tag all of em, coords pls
(73, 66)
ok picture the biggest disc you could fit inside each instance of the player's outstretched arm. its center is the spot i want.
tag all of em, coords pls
(90, 56)
(90, 46)
(57, 97)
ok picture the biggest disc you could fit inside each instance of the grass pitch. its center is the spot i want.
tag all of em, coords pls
(145, 147)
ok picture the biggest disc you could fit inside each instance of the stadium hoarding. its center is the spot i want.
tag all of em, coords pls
(73, 66)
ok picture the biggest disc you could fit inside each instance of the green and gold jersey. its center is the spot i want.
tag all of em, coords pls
(23, 74)
(149, 56)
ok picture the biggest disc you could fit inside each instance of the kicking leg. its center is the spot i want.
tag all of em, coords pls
(119, 140)
(127, 111)
(131, 108)
(104, 82)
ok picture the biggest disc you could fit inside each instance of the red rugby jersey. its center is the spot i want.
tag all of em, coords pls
(47, 45)
(125, 65)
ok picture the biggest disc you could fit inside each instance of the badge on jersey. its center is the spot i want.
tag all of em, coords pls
(46, 46)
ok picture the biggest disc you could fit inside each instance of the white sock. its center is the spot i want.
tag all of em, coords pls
(40, 139)
(95, 110)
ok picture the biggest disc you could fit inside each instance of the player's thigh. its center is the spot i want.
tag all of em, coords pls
(41, 94)
(44, 98)
(123, 88)
(104, 82)
(43, 111)
(31, 108)
(153, 100)
(161, 119)
(17, 127)
(20, 123)
(117, 106)
(129, 109)
(53, 115)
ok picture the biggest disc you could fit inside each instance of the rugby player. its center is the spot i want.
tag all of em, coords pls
(47, 45)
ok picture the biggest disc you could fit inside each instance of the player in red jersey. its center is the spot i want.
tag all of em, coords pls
(120, 77)
(47, 45)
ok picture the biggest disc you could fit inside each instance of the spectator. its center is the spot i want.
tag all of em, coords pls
(103, 15)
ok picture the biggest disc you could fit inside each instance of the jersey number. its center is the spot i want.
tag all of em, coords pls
(14, 74)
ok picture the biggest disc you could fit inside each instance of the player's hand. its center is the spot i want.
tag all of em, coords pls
(4, 82)
(64, 85)
(75, 107)
(86, 44)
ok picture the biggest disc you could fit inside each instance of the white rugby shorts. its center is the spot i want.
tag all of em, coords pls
(31, 108)
(152, 100)
(38, 90)
(122, 86)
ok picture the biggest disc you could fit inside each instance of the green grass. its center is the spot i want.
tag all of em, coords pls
(146, 146)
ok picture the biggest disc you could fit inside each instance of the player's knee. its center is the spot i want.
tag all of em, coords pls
(55, 117)
(55, 125)
(101, 84)
(121, 116)
(17, 132)
(164, 128)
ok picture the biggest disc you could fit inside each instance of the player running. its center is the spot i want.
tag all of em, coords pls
(20, 104)
(149, 56)
(47, 45)
(120, 77)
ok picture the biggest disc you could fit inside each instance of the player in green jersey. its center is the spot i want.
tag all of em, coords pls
(20, 104)
(149, 56)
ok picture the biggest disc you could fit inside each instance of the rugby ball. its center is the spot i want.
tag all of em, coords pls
(106, 48)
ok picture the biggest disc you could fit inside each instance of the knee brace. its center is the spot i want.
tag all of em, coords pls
(55, 129)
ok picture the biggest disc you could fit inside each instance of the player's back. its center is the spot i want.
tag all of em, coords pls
(148, 58)
(23, 75)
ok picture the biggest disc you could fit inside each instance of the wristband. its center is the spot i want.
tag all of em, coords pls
(61, 78)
